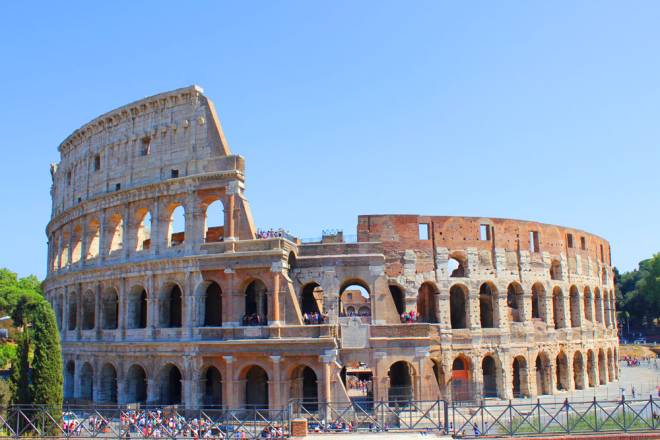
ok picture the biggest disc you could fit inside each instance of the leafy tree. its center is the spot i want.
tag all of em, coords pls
(638, 292)
(46, 387)
(20, 373)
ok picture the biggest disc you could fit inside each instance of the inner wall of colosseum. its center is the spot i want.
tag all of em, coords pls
(165, 292)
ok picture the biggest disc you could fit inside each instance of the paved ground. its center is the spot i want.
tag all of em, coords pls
(378, 436)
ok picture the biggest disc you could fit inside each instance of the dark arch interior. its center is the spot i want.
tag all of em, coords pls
(542, 382)
(171, 308)
(401, 389)
(212, 387)
(426, 304)
(171, 386)
(108, 384)
(489, 369)
(213, 306)
(86, 382)
(110, 310)
(256, 388)
(486, 306)
(519, 377)
(562, 372)
(399, 299)
(136, 385)
(256, 304)
(457, 307)
(309, 301)
(536, 302)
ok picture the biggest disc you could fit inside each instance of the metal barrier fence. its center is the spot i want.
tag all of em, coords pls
(555, 418)
(122, 422)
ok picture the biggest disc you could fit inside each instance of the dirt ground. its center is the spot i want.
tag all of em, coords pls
(637, 351)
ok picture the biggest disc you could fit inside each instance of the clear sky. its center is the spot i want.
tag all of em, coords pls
(546, 111)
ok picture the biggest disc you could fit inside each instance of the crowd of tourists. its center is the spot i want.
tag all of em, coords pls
(632, 361)
(253, 319)
(409, 317)
(314, 318)
(272, 233)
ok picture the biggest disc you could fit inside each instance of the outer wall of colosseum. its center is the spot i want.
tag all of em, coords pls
(201, 311)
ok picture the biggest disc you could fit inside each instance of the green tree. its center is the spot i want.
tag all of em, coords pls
(46, 386)
(20, 373)
(638, 293)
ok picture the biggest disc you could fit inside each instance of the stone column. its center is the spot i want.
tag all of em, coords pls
(156, 226)
(505, 381)
(326, 377)
(153, 392)
(229, 398)
(230, 233)
(152, 305)
(76, 378)
(79, 308)
(97, 310)
(275, 384)
(422, 388)
(84, 242)
(128, 241)
(230, 316)
(190, 238)
(121, 318)
(103, 237)
(65, 315)
(188, 299)
(570, 380)
(274, 307)
(122, 384)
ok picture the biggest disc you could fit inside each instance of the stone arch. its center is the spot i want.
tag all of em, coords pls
(606, 306)
(427, 302)
(488, 310)
(400, 376)
(256, 303)
(542, 366)
(555, 270)
(591, 368)
(574, 306)
(65, 240)
(115, 233)
(214, 221)
(598, 306)
(137, 308)
(256, 387)
(143, 230)
(602, 367)
(456, 265)
(538, 302)
(520, 377)
(109, 309)
(87, 382)
(176, 225)
(588, 304)
(461, 378)
(458, 306)
(212, 386)
(304, 387)
(489, 371)
(88, 310)
(108, 391)
(311, 298)
(76, 247)
(612, 309)
(350, 311)
(515, 302)
(355, 292)
(136, 384)
(558, 312)
(399, 298)
(562, 372)
(212, 304)
(93, 239)
(610, 365)
(578, 370)
(171, 306)
(170, 385)
(72, 312)
(69, 379)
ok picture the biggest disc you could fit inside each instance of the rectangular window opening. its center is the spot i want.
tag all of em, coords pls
(175, 174)
(145, 148)
(583, 243)
(97, 162)
(569, 240)
(485, 232)
(534, 241)
(117, 186)
(423, 231)
(602, 256)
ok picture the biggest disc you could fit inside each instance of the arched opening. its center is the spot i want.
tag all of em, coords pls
(606, 305)
(170, 385)
(602, 368)
(588, 305)
(538, 302)
(604, 276)
(88, 310)
(312, 303)
(86, 382)
(136, 385)
(562, 372)
(399, 299)
(355, 294)
(456, 266)
(137, 308)
(555, 270)
(514, 300)
(304, 387)
(542, 365)
(591, 368)
(256, 304)
(598, 306)
(358, 381)
(558, 308)
(457, 306)
(487, 306)
(610, 365)
(69, 379)
(578, 371)
(116, 233)
(575, 306)
(110, 309)
(93, 240)
(143, 232)
(489, 370)
(427, 302)
(64, 250)
(401, 388)
(176, 229)
(520, 374)
(76, 239)
(108, 391)
(213, 306)
(212, 387)
(460, 379)
(256, 388)
(170, 307)
(612, 309)
(72, 312)
(350, 311)
(214, 221)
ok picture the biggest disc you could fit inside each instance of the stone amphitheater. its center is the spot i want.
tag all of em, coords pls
(165, 292)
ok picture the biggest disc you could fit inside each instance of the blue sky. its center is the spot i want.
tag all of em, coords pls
(537, 110)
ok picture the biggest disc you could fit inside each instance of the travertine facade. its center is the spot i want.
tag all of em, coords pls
(151, 313)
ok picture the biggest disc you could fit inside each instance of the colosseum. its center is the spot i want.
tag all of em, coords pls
(166, 293)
